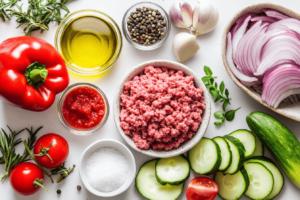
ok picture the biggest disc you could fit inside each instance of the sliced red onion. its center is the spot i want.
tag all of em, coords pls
(239, 34)
(281, 48)
(247, 57)
(275, 14)
(242, 77)
(281, 83)
(181, 14)
(291, 23)
(265, 50)
(264, 19)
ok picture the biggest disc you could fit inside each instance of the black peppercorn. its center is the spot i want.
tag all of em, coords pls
(78, 187)
(58, 191)
(146, 26)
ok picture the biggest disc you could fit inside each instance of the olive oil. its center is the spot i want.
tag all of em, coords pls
(89, 43)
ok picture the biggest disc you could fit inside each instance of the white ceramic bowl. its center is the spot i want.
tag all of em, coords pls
(107, 143)
(184, 147)
(289, 111)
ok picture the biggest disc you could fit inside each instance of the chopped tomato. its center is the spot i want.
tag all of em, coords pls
(201, 188)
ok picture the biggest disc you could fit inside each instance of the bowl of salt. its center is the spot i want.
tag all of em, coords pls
(107, 168)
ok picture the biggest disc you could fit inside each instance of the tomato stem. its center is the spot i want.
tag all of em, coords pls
(44, 152)
(33, 158)
(39, 183)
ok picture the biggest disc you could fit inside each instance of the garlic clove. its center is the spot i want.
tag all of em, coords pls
(205, 17)
(181, 14)
(185, 46)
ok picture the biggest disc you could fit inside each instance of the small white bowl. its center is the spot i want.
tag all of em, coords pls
(107, 143)
(289, 111)
(184, 147)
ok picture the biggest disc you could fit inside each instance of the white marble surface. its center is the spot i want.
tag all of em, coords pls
(209, 54)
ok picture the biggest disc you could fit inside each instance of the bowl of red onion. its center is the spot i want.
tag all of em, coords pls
(261, 54)
(161, 108)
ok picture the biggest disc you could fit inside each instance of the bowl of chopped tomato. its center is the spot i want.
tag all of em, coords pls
(83, 108)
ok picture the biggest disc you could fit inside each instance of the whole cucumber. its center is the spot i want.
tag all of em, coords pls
(281, 142)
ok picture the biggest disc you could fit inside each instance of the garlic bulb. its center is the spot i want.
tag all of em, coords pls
(181, 14)
(185, 46)
(205, 17)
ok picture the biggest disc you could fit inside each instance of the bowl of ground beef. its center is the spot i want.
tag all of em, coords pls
(161, 108)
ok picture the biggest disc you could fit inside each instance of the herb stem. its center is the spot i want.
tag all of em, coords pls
(33, 158)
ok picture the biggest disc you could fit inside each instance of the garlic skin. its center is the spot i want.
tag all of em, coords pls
(185, 46)
(181, 14)
(205, 17)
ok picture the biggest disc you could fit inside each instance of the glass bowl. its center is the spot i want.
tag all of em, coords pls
(89, 13)
(153, 6)
(66, 124)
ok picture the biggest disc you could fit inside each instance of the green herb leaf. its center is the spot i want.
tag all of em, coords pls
(226, 93)
(205, 79)
(225, 104)
(216, 85)
(222, 87)
(218, 123)
(214, 93)
(230, 114)
(219, 114)
(218, 99)
(207, 71)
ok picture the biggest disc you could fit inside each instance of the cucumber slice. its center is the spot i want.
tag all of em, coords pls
(225, 153)
(238, 154)
(173, 171)
(148, 187)
(259, 148)
(232, 187)
(205, 157)
(247, 139)
(261, 181)
(277, 175)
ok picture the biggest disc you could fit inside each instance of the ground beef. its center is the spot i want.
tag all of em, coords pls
(161, 108)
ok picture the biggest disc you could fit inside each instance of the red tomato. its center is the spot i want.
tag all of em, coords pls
(22, 178)
(58, 151)
(201, 188)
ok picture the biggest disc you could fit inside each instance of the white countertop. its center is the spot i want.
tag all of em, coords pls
(209, 54)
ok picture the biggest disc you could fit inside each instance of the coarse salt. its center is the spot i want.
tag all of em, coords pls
(106, 169)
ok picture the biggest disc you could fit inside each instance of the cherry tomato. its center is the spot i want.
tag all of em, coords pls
(201, 188)
(51, 150)
(25, 178)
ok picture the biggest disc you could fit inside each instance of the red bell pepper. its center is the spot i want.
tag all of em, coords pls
(32, 72)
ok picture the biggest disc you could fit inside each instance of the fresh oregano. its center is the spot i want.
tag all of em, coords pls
(220, 94)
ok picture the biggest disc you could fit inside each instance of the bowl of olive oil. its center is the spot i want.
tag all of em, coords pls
(89, 41)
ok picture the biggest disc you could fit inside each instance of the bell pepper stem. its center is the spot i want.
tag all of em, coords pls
(39, 183)
(33, 158)
(37, 75)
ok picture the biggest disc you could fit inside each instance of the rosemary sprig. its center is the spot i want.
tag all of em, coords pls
(8, 143)
(63, 171)
(3, 12)
(220, 94)
(39, 14)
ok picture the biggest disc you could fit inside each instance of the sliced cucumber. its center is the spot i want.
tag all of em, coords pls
(261, 180)
(225, 153)
(173, 171)
(232, 187)
(259, 148)
(148, 187)
(238, 154)
(205, 157)
(277, 175)
(247, 139)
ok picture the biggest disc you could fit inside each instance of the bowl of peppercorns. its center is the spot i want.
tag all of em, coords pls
(146, 26)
